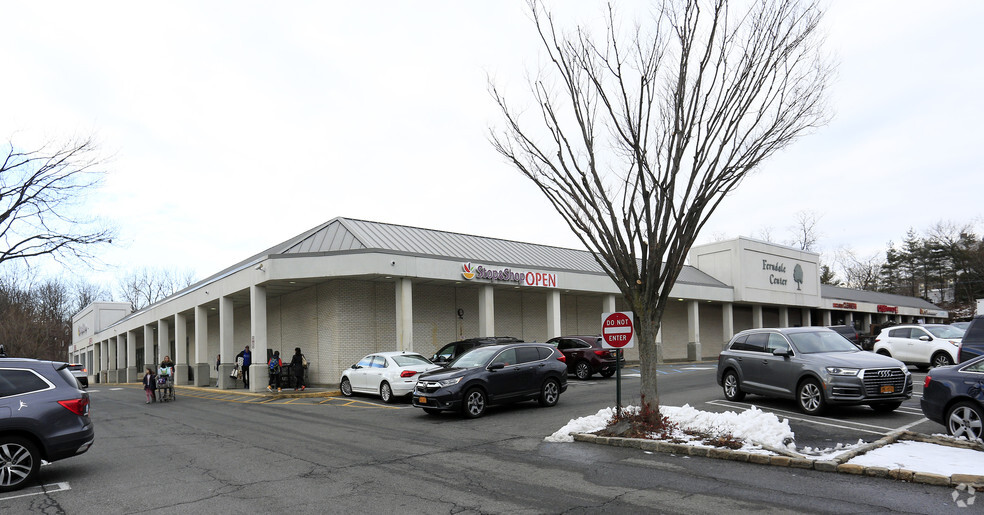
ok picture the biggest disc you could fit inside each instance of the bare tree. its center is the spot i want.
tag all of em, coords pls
(85, 293)
(145, 286)
(806, 234)
(649, 130)
(41, 192)
(860, 272)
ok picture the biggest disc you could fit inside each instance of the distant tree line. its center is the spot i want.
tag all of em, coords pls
(944, 265)
(37, 313)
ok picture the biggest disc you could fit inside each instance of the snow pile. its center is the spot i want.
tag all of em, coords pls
(924, 457)
(588, 424)
(753, 426)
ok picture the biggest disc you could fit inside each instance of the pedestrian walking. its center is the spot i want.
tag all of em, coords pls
(150, 386)
(244, 358)
(274, 366)
(297, 365)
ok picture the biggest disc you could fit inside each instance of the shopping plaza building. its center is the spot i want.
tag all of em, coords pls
(350, 287)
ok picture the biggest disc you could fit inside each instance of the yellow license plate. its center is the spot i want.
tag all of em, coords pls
(888, 389)
(423, 400)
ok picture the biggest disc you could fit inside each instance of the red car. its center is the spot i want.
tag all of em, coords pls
(585, 355)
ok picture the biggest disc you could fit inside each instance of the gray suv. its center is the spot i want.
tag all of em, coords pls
(814, 366)
(43, 416)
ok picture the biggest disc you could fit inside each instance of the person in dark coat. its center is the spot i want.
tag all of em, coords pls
(297, 368)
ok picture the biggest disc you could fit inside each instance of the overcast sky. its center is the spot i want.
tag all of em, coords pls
(232, 126)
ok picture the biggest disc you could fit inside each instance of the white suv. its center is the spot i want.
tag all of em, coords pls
(921, 345)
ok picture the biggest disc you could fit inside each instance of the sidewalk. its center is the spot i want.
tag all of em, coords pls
(311, 391)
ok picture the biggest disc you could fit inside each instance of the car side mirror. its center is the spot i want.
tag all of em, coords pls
(356, 366)
(782, 352)
(497, 366)
(925, 338)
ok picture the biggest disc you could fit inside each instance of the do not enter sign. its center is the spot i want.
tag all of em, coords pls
(616, 330)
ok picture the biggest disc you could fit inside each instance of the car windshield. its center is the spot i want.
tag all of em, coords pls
(409, 360)
(476, 357)
(820, 341)
(945, 331)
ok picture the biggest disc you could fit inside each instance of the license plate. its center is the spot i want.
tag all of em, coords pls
(888, 389)
(423, 400)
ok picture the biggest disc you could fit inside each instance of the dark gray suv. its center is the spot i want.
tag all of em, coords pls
(814, 366)
(43, 416)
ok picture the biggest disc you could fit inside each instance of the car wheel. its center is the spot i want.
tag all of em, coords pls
(19, 463)
(432, 411)
(549, 393)
(941, 359)
(608, 373)
(732, 387)
(345, 387)
(385, 392)
(884, 352)
(965, 420)
(810, 397)
(582, 370)
(474, 405)
(885, 407)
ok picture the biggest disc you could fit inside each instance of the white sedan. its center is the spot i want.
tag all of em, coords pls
(387, 374)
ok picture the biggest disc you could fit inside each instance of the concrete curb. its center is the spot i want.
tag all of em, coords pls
(787, 459)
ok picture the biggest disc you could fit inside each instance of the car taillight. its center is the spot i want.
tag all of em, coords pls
(85, 370)
(408, 373)
(603, 353)
(562, 358)
(926, 382)
(78, 406)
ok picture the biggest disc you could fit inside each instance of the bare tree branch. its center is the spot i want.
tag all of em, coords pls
(648, 130)
(41, 194)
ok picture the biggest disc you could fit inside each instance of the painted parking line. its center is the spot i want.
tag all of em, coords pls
(41, 490)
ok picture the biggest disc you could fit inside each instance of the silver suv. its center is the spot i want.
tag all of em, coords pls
(814, 366)
(43, 416)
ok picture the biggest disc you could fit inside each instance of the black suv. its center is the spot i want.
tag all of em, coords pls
(43, 416)
(494, 374)
(585, 355)
(847, 331)
(454, 349)
(972, 344)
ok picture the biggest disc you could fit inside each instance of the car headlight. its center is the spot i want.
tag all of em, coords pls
(954, 342)
(449, 382)
(842, 371)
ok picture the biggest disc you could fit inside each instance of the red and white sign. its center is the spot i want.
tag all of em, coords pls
(616, 330)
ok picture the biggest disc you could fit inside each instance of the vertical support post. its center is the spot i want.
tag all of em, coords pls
(553, 314)
(181, 349)
(757, 316)
(404, 314)
(132, 373)
(258, 340)
(727, 322)
(693, 331)
(486, 311)
(203, 365)
(226, 345)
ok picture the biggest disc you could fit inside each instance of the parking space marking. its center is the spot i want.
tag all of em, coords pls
(43, 489)
(916, 423)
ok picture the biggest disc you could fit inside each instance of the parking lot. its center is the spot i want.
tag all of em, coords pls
(840, 424)
(224, 451)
